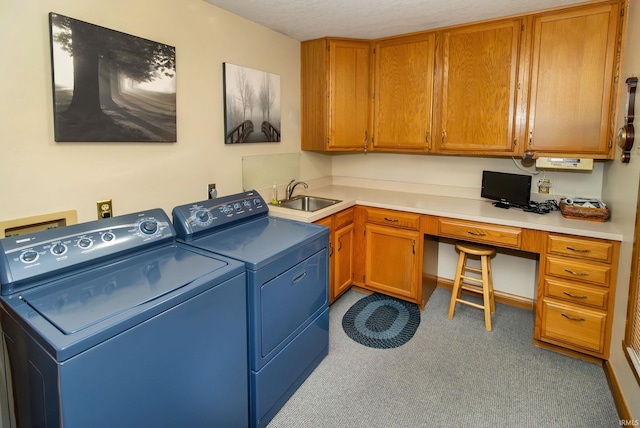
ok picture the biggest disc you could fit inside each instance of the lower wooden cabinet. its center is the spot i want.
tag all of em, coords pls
(341, 239)
(575, 304)
(393, 254)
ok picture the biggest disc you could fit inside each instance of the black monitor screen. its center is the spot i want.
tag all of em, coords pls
(507, 189)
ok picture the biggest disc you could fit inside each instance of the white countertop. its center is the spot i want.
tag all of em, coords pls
(447, 206)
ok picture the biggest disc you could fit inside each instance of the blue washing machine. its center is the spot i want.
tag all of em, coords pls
(287, 289)
(113, 323)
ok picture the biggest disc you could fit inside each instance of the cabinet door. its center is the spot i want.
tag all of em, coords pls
(314, 110)
(343, 260)
(403, 93)
(349, 94)
(571, 86)
(479, 89)
(392, 263)
(328, 222)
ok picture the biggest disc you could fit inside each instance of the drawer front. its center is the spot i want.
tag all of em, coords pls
(394, 218)
(343, 218)
(574, 325)
(593, 273)
(597, 297)
(504, 236)
(599, 250)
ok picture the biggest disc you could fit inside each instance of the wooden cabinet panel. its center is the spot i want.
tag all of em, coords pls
(584, 248)
(393, 218)
(574, 292)
(573, 325)
(393, 261)
(349, 94)
(403, 93)
(593, 273)
(572, 80)
(479, 89)
(343, 264)
(335, 94)
(341, 251)
(504, 236)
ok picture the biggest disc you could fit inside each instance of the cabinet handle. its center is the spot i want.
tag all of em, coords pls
(572, 318)
(577, 250)
(575, 297)
(339, 244)
(392, 220)
(330, 249)
(426, 138)
(530, 138)
(572, 272)
(476, 233)
(444, 135)
(414, 246)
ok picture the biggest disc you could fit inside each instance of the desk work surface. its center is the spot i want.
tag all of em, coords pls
(481, 210)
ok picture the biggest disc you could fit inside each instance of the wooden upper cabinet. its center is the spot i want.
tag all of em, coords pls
(478, 89)
(403, 92)
(335, 94)
(573, 62)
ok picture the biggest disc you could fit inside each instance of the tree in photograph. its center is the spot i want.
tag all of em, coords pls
(267, 97)
(246, 94)
(102, 59)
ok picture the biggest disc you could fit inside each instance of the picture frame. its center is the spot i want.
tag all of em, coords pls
(251, 105)
(110, 86)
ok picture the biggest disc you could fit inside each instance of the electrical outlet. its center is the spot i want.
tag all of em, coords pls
(105, 209)
(211, 191)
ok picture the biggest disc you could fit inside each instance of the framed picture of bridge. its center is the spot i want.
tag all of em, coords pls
(251, 105)
(110, 86)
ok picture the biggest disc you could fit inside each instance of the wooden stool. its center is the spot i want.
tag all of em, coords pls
(460, 282)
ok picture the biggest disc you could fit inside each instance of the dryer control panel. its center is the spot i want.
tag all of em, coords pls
(204, 217)
(46, 254)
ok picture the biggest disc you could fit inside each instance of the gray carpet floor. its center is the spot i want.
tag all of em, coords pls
(452, 373)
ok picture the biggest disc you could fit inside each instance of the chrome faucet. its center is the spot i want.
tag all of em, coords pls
(291, 187)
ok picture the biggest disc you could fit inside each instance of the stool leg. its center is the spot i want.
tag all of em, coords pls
(486, 292)
(491, 295)
(457, 283)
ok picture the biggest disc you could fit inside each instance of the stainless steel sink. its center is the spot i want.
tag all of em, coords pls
(308, 203)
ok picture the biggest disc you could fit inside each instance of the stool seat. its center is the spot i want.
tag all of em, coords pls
(485, 279)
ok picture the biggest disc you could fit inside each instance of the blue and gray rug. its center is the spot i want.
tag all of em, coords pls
(380, 321)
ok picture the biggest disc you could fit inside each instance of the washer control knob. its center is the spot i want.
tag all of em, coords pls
(29, 256)
(148, 227)
(85, 243)
(108, 236)
(58, 249)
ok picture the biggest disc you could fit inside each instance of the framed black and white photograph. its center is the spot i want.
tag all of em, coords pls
(251, 105)
(110, 86)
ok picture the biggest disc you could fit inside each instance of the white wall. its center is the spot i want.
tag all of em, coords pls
(38, 175)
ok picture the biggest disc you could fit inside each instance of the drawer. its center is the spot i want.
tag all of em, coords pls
(573, 325)
(394, 218)
(594, 273)
(592, 249)
(503, 236)
(343, 218)
(597, 297)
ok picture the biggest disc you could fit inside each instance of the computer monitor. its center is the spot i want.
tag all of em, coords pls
(506, 189)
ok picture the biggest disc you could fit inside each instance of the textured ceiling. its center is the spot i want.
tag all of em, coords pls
(372, 19)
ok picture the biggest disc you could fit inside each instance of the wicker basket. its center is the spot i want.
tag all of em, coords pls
(583, 213)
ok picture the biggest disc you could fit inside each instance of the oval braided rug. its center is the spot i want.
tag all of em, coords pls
(380, 321)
